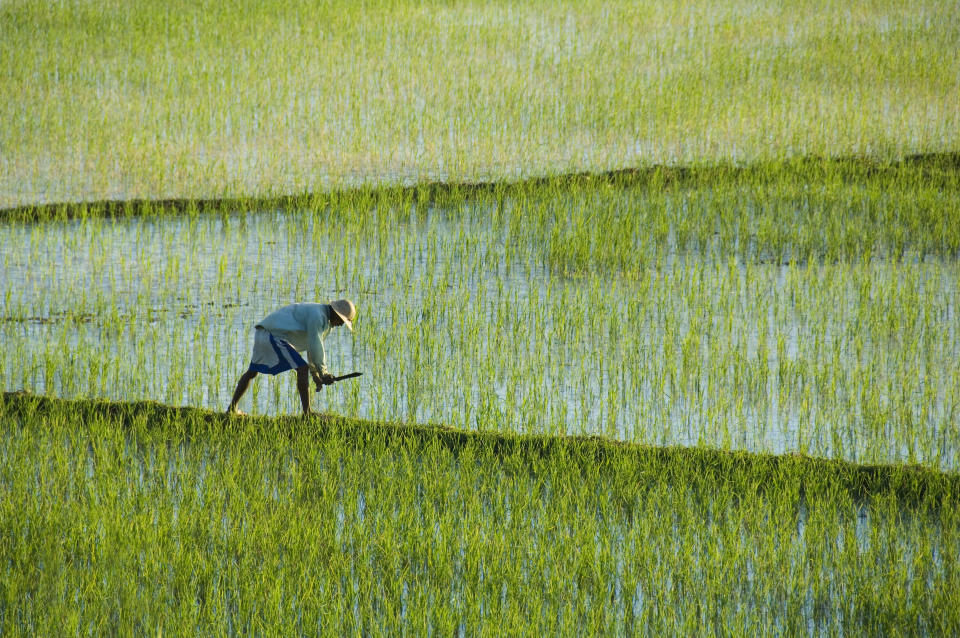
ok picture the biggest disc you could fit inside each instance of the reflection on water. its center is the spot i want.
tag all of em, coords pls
(463, 321)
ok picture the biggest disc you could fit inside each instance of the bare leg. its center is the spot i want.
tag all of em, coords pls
(242, 386)
(303, 387)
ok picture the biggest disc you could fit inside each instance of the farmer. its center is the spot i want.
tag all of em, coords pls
(280, 338)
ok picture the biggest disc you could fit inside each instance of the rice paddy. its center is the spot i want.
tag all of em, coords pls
(658, 318)
(137, 518)
(214, 99)
(580, 306)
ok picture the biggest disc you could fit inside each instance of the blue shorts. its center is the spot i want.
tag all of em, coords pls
(272, 355)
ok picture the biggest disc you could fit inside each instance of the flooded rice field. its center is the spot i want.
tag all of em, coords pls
(530, 314)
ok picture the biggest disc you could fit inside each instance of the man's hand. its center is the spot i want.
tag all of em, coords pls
(322, 379)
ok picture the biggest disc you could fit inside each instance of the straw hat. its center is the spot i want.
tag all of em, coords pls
(346, 311)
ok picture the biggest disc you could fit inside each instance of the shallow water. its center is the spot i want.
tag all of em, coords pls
(463, 321)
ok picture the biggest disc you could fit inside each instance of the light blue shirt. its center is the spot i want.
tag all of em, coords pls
(304, 326)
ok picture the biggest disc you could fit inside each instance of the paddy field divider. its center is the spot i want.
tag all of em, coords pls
(931, 168)
(629, 465)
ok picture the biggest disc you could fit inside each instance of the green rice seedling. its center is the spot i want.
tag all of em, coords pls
(293, 98)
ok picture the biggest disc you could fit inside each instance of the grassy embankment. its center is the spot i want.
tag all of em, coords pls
(136, 517)
(932, 171)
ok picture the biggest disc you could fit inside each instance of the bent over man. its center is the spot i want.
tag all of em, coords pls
(282, 335)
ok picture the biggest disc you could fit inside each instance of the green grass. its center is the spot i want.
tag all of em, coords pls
(213, 99)
(136, 517)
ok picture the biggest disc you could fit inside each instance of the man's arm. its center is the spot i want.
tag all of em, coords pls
(316, 354)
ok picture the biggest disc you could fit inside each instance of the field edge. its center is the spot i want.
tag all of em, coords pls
(757, 471)
(936, 168)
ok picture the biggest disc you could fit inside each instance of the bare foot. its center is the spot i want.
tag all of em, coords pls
(235, 412)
